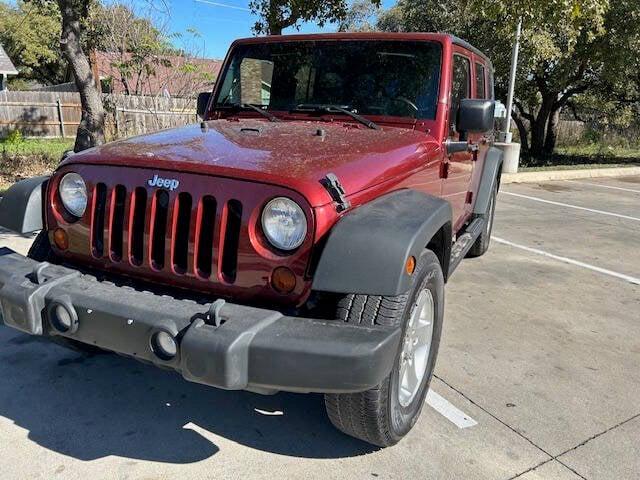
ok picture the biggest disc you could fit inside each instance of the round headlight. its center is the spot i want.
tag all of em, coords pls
(284, 223)
(73, 193)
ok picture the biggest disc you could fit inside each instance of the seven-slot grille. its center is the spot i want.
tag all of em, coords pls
(166, 231)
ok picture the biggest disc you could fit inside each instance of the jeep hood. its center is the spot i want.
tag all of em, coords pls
(295, 154)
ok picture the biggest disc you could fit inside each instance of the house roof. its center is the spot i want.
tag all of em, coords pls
(6, 67)
(178, 76)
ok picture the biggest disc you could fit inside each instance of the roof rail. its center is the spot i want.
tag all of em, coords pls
(468, 46)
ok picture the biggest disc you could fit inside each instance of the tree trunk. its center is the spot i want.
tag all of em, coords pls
(538, 133)
(539, 125)
(91, 128)
(274, 18)
(552, 132)
(522, 131)
(125, 84)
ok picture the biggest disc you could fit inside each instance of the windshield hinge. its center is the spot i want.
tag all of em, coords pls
(336, 190)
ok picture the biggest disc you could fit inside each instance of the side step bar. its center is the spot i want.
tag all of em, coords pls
(464, 243)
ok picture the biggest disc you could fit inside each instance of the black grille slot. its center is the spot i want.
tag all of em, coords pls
(231, 240)
(97, 233)
(181, 239)
(117, 222)
(159, 229)
(139, 210)
(205, 238)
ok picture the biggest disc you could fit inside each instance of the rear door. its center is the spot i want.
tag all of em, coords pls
(459, 166)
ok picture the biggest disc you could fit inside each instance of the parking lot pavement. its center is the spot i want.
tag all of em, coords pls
(537, 376)
(19, 243)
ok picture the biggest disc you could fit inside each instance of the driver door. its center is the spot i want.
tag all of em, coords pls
(459, 165)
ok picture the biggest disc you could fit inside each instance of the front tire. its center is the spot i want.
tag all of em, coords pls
(384, 414)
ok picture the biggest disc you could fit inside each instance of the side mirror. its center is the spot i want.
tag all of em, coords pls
(203, 102)
(476, 116)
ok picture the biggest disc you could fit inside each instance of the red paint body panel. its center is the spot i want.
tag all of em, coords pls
(256, 260)
(245, 157)
(285, 153)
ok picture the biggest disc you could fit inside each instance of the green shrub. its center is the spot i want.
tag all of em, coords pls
(14, 138)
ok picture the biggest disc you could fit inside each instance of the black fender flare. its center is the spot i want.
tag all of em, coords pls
(21, 207)
(490, 175)
(367, 250)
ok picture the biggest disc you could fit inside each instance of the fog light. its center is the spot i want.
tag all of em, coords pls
(283, 280)
(61, 239)
(63, 319)
(164, 345)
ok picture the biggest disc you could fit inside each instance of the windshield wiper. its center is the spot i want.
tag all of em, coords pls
(250, 106)
(337, 108)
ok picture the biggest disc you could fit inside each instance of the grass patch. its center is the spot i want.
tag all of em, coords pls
(53, 147)
(583, 157)
(600, 151)
(581, 166)
(24, 158)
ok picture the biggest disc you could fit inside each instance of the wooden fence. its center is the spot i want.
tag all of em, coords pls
(57, 114)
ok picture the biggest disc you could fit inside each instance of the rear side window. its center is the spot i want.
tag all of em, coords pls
(481, 83)
(461, 84)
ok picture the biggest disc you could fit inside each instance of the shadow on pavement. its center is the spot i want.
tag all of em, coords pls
(92, 407)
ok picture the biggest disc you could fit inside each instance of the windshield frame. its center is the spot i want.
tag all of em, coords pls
(219, 111)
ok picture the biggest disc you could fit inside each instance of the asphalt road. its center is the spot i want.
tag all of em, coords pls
(537, 377)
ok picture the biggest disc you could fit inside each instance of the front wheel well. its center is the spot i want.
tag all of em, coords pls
(440, 244)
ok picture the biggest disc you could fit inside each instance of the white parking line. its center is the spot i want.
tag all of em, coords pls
(447, 410)
(604, 186)
(570, 261)
(560, 204)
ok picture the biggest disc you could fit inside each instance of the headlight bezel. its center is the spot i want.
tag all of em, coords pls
(271, 239)
(66, 202)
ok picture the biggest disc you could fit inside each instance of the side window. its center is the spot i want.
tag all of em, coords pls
(461, 84)
(481, 85)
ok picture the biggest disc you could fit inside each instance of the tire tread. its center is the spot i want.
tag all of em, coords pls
(364, 414)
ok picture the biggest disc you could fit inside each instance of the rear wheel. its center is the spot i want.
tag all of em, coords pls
(384, 414)
(481, 245)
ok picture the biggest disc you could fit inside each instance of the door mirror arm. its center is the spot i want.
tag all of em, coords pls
(453, 146)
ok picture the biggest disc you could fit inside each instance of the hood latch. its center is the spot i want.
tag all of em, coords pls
(336, 190)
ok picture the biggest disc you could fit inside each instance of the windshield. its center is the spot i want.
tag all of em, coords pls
(391, 78)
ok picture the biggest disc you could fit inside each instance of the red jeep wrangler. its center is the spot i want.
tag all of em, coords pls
(298, 239)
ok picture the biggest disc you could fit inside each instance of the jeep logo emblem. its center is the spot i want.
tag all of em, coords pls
(170, 183)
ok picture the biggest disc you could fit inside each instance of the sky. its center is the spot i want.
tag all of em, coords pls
(219, 22)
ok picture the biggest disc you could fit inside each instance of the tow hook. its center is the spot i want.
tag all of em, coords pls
(332, 184)
(213, 315)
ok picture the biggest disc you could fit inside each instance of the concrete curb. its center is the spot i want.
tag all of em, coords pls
(545, 176)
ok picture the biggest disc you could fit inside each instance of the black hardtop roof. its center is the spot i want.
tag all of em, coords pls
(468, 46)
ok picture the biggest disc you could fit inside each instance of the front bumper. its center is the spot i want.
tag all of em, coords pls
(252, 349)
